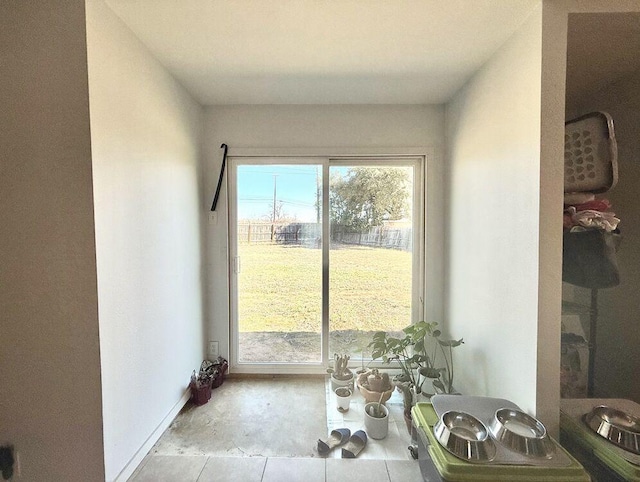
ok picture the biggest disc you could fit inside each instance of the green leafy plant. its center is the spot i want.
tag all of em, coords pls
(410, 352)
(444, 384)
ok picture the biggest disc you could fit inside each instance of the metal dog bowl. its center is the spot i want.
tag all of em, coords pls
(465, 437)
(616, 426)
(522, 433)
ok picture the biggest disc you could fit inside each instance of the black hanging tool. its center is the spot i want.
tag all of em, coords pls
(224, 163)
(6, 461)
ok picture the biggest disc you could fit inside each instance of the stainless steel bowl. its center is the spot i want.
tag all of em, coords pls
(465, 437)
(522, 433)
(616, 426)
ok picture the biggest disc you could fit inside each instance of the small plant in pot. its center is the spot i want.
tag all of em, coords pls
(343, 397)
(341, 375)
(376, 419)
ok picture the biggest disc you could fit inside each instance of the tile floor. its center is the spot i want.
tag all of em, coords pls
(265, 437)
(199, 468)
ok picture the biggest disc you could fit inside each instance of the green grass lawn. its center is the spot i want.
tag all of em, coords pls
(280, 288)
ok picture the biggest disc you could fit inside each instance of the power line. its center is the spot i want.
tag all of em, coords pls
(285, 201)
(291, 171)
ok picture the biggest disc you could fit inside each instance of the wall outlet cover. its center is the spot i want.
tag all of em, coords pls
(214, 349)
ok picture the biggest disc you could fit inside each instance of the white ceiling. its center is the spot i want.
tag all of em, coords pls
(322, 51)
(601, 48)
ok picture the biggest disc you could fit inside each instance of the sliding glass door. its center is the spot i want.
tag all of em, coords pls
(278, 263)
(371, 254)
(324, 252)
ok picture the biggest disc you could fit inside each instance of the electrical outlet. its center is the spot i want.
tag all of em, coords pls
(213, 217)
(214, 349)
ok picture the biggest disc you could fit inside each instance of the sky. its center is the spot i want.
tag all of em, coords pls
(295, 188)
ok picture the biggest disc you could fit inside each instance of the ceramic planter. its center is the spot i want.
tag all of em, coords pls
(343, 397)
(335, 383)
(377, 428)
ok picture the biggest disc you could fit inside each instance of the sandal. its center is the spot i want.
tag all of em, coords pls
(356, 444)
(336, 437)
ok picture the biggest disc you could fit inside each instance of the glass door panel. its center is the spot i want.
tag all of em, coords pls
(371, 255)
(279, 263)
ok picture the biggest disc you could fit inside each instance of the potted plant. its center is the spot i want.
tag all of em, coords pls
(376, 419)
(374, 385)
(418, 366)
(341, 375)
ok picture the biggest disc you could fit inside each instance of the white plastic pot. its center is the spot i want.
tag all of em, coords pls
(377, 428)
(343, 397)
(335, 383)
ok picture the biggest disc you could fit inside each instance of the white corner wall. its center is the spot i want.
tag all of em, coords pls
(145, 133)
(318, 126)
(493, 128)
(50, 406)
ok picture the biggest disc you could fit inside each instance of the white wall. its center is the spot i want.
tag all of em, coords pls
(618, 355)
(493, 212)
(145, 141)
(318, 126)
(554, 54)
(50, 405)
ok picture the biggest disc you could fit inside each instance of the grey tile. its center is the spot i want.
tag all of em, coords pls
(233, 469)
(404, 471)
(294, 470)
(355, 470)
(171, 468)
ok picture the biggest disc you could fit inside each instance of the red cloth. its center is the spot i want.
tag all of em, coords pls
(601, 205)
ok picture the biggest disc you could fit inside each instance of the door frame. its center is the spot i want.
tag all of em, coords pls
(417, 157)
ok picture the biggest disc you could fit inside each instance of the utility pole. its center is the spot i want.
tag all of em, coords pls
(273, 218)
(318, 194)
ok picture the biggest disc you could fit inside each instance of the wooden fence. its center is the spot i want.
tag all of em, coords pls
(281, 233)
(310, 234)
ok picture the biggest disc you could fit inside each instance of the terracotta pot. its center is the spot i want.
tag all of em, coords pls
(408, 420)
(218, 380)
(200, 394)
(371, 396)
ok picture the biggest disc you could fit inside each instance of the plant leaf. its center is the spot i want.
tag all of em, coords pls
(451, 343)
(430, 372)
(438, 385)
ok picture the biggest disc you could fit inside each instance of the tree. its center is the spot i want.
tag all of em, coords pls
(275, 214)
(366, 196)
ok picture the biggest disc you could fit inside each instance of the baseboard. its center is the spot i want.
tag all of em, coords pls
(244, 376)
(132, 465)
